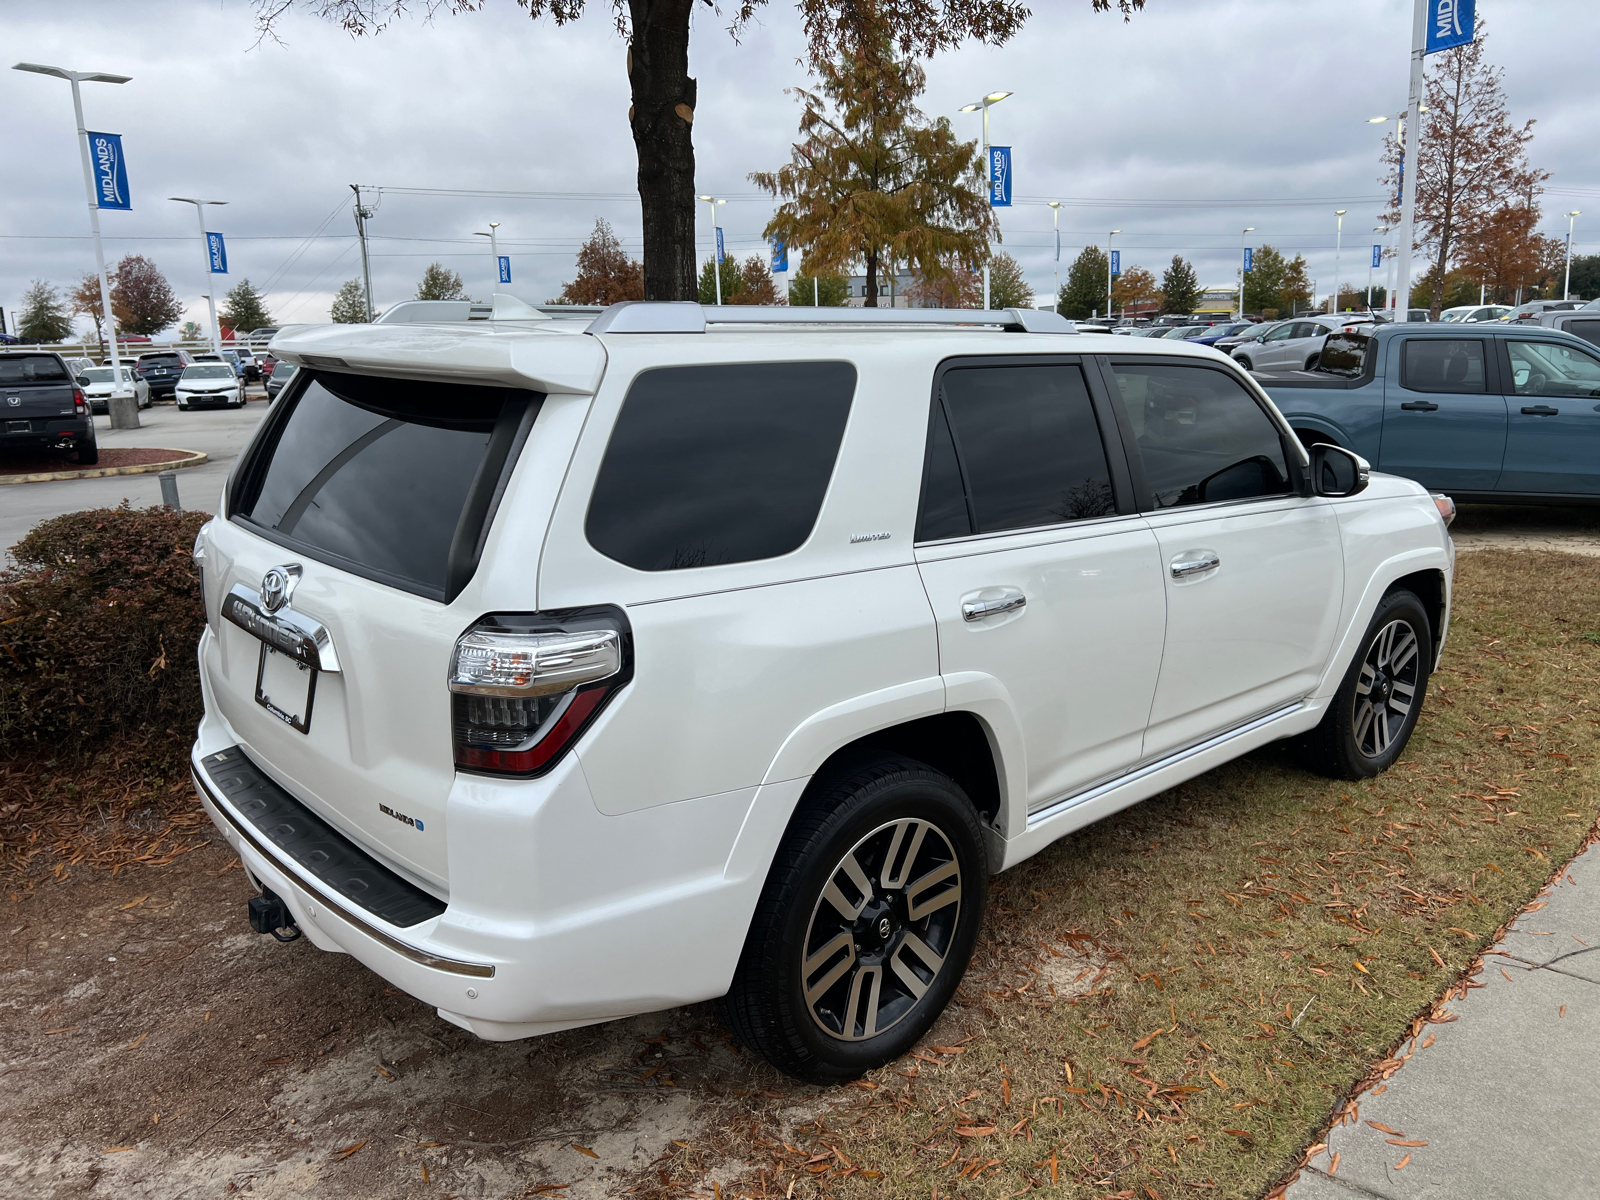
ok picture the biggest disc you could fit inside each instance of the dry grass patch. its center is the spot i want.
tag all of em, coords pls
(1175, 1001)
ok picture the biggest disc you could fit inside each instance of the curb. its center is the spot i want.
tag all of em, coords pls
(194, 459)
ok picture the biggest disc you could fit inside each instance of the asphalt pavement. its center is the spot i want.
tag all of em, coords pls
(220, 433)
(1503, 1100)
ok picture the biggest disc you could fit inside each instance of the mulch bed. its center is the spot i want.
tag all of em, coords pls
(39, 462)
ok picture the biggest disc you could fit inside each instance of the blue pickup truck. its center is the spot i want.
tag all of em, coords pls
(1487, 413)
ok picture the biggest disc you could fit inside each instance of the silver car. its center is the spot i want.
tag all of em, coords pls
(1292, 345)
(1473, 313)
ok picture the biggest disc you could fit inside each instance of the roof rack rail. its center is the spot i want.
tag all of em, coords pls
(685, 316)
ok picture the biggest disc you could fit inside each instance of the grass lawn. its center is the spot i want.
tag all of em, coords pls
(1176, 1001)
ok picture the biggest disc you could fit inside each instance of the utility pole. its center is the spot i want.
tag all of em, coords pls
(363, 215)
(1413, 131)
(1110, 284)
(1338, 250)
(1247, 230)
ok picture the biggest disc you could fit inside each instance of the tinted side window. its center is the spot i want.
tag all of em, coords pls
(1201, 436)
(944, 512)
(1442, 365)
(715, 465)
(1029, 445)
(1588, 329)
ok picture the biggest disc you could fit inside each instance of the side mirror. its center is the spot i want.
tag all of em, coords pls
(83, 381)
(1336, 471)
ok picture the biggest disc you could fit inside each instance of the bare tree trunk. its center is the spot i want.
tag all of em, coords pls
(662, 117)
(872, 279)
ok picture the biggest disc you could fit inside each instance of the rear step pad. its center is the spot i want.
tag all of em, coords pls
(314, 844)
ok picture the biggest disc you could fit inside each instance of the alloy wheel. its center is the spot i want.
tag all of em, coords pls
(1386, 688)
(882, 929)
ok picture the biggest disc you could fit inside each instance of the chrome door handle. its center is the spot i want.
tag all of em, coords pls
(977, 610)
(1195, 565)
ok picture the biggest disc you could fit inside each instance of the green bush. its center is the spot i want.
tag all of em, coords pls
(99, 620)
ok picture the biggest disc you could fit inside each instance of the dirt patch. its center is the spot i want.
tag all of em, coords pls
(1572, 530)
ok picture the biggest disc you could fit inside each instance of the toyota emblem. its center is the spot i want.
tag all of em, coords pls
(277, 585)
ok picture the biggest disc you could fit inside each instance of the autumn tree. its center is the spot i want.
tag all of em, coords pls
(349, 304)
(191, 332)
(663, 94)
(1472, 159)
(809, 289)
(244, 309)
(1135, 287)
(1180, 286)
(959, 289)
(439, 282)
(1084, 293)
(85, 301)
(142, 301)
(1506, 253)
(605, 274)
(873, 181)
(758, 285)
(43, 317)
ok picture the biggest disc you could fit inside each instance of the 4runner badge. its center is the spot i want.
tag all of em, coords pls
(277, 585)
(401, 817)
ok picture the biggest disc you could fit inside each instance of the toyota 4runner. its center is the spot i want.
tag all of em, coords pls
(561, 670)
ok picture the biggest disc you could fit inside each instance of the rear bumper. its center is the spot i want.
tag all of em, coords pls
(44, 433)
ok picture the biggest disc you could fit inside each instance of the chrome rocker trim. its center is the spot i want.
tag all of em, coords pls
(337, 907)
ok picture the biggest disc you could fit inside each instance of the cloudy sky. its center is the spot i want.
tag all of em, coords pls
(1181, 127)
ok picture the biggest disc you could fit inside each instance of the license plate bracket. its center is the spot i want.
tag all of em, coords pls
(286, 687)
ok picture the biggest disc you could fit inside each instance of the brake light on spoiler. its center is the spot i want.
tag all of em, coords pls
(526, 685)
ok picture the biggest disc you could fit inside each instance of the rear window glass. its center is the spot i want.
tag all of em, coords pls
(711, 465)
(391, 479)
(32, 368)
(208, 371)
(160, 360)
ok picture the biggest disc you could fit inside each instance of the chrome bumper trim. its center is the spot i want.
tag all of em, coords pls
(338, 907)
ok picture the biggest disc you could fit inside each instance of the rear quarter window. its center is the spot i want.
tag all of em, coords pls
(711, 465)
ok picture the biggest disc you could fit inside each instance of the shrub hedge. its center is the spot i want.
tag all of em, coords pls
(99, 619)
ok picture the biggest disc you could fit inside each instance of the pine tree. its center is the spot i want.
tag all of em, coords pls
(141, 299)
(1007, 286)
(1263, 283)
(872, 180)
(757, 283)
(732, 281)
(1180, 286)
(350, 304)
(825, 290)
(43, 317)
(244, 309)
(1084, 293)
(440, 283)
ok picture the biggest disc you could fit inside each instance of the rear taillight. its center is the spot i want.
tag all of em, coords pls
(77, 400)
(526, 685)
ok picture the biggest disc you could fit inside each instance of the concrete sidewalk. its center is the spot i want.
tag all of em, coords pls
(1505, 1100)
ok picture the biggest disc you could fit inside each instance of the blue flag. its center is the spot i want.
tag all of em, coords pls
(217, 252)
(1450, 24)
(1249, 258)
(1058, 245)
(780, 256)
(505, 268)
(999, 176)
(1377, 257)
(110, 172)
(1116, 262)
(719, 245)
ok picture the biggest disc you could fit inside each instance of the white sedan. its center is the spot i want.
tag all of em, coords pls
(204, 384)
(98, 384)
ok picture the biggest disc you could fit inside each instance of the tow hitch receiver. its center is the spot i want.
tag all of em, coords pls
(268, 914)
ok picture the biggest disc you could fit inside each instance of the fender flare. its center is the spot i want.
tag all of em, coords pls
(1398, 566)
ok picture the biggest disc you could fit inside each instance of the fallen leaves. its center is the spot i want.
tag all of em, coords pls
(584, 1150)
(341, 1155)
(137, 1042)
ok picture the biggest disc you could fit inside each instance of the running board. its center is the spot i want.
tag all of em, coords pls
(1056, 807)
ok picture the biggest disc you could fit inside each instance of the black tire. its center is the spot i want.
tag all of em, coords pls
(1350, 742)
(869, 815)
(1245, 363)
(88, 453)
(1311, 363)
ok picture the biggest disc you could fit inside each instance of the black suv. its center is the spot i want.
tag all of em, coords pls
(161, 369)
(42, 407)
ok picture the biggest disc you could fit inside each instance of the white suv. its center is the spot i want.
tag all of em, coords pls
(561, 670)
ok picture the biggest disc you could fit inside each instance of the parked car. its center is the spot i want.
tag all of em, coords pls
(42, 406)
(1182, 333)
(1583, 322)
(1505, 412)
(279, 379)
(1231, 342)
(77, 366)
(210, 385)
(1215, 333)
(766, 739)
(248, 360)
(266, 362)
(1291, 345)
(1474, 313)
(231, 357)
(259, 338)
(99, 382)
(161, 369)
(1528, 313)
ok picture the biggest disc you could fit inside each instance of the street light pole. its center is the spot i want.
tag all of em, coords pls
(716, 267)
(494, 252)
(1055, 225)
(363, 215)
(1566, 288)
(1109, 276)
(1247, 229)
(1375, 229)
(1338, 250)
(1411, 138)
(991, 99)
(130, 419)
(205, 249)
